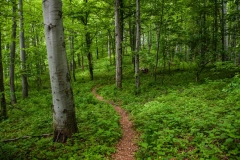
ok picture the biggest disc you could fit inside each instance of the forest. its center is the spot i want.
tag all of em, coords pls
(120, 79)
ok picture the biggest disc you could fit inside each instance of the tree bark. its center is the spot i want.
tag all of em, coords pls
(89, 54)
(64, 119)
(71, 39)
(224, 31)
(109, 47)
(158, 26)
(12, 54)
(138, 40)
(2, 96)
(23, 57)
(118, 35)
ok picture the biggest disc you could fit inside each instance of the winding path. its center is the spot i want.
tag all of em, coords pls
(126, 146)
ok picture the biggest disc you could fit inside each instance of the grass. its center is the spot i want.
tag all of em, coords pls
(177, 117)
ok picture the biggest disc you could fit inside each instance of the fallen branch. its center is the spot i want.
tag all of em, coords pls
(15, 107)
(26, 137)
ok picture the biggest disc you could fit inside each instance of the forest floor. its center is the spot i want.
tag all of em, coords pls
(126, 146)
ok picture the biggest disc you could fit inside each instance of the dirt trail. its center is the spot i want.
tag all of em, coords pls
(126, 146)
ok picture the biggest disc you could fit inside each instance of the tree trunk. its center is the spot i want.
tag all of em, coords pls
(224, 31)
(158, 41)
(71, 38)
(12, 55)
(118, 34)
(2, 96)
(109, 47)
(149, 39)
(23, 57)
(64, 119)
(138, 40)
(132, 37)
(89, 54)
(215, 33)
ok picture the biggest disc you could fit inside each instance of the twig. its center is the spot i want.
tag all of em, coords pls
(26, 137)
(13, 106)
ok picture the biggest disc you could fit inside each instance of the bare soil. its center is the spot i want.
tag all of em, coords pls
(127, 145)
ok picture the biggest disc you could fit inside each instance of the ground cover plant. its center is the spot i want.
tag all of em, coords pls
(181, 119)
(98, 132)
(177, 118)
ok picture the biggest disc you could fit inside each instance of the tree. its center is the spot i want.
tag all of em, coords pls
(12, 54)
(2, 96)
(64, 119)
(137, 76)
(23, 57)
(118, 34)
(224, 31)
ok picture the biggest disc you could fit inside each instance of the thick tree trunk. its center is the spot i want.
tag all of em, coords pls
(118, 34)
(23, 57)
(64, 120)
(12, 54)
(138, 40)
(2, 96)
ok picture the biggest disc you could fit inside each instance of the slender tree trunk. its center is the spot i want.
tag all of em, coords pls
(89, 54)
(23, 57)
(64, 119)
(215, 33)
(132, 35)
(2, 96)
(158, 41)
(79, 59)
(224, 31)
(88, 42)
(149, 39)
(138, 40)
(82, 62)
(97, 47)
(12, 54)
(109, 47)
(71, 38)
(118, 34)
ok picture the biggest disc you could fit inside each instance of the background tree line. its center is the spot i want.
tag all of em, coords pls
(169, 34)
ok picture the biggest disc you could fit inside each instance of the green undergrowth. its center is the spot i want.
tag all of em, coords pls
(98, 126)
(176, 117)
(181, 119)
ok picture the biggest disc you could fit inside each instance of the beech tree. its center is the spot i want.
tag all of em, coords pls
(64, 119)
(2, 95)
(118, 35)
(23, 57)
(137, 76)
(12, 54)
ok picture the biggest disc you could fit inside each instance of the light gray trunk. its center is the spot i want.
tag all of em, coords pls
(12, 55)
(23, 53)
(64, 120)
(118, 35)
(138, 40)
